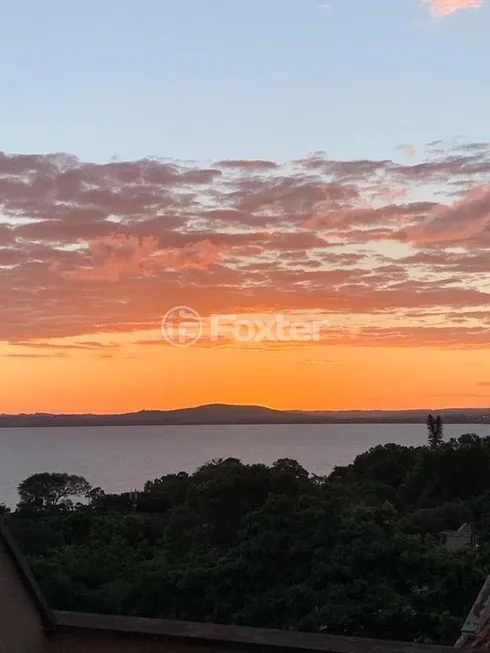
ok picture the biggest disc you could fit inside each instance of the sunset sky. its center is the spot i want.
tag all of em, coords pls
(324, 163)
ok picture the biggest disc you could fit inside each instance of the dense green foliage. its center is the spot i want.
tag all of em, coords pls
(357, 552)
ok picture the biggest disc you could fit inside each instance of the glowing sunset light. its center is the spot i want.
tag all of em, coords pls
(405, 281)
(279, 203)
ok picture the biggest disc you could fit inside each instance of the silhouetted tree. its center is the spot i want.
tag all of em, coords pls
(435, 429)
(48, 490)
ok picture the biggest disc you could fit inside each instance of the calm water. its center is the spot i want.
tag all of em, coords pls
(123, 458)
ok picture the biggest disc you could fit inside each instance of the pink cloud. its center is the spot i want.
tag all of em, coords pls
(441, 8)
(464, 221)
(194, 255)
(112, 256)
(118, 255)
(98, 247)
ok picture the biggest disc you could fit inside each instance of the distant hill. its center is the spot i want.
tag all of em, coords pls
(231, 414)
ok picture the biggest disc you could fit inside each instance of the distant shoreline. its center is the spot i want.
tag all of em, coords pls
(229, 415)
(105, 425)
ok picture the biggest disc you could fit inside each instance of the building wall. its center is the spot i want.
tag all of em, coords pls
(455, 542)
(20, 624)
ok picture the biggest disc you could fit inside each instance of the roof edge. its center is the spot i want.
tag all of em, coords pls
(238, 635)
(30, 583)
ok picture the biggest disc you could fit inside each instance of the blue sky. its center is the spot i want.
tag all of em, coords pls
(212, 79)
(89, 254)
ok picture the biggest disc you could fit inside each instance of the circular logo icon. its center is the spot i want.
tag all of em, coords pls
(181, 326)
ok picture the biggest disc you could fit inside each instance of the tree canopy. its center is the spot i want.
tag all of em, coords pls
(356, 552)
(48, 490)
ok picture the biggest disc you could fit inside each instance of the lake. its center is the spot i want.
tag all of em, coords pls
(120, 459)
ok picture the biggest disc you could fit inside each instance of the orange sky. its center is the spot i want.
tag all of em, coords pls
(317, 377)
(391, 256)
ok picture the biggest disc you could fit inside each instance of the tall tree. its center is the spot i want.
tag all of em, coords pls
(42, 491)
(435, 430)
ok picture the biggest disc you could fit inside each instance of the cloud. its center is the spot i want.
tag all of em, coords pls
(51, 355)
(112, 257)
(254, 165)
(32, 344)
(97, 248)
(464, 221)
(408, 150)
(441, 8)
